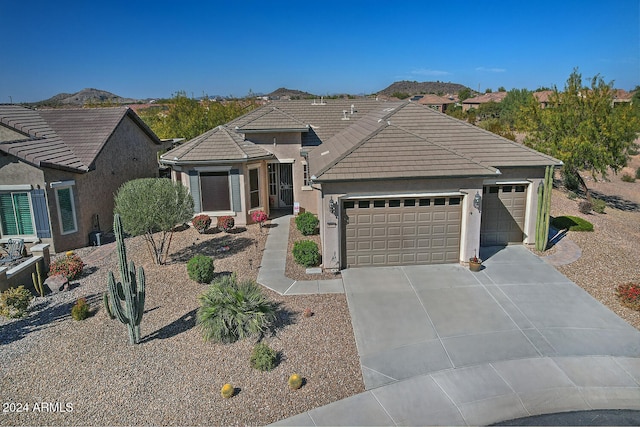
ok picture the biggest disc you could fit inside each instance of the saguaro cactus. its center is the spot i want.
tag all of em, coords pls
(131, 291)
(544, 206)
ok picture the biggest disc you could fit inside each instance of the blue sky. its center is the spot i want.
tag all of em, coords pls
(146, 49)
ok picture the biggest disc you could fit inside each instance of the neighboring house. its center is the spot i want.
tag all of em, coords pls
(59, 170)
(475, 102)
(393, 183)
(621, 96)
(438, 103)
(543, 97)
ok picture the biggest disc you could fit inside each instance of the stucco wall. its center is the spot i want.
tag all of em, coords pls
(128, 154)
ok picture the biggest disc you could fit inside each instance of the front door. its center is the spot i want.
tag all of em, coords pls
(280, 185)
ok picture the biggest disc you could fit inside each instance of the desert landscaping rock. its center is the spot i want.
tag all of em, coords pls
(173, 377)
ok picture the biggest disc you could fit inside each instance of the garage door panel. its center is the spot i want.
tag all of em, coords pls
(503, 215)
(418, 233)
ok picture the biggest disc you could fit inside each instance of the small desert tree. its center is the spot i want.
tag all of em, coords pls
(582, 128)
(152, 207)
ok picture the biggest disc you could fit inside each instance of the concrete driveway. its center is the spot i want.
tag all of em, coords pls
(417, 320)
(440, 345)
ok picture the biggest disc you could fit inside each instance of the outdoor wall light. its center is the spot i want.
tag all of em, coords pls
(477, 200)
(333, 207)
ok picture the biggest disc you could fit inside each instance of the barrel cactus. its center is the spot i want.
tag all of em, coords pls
(295, 381)
(131, 291)
(227, 391)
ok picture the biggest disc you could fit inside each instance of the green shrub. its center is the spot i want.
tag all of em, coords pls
(571, 223)
(599, 206)
(585, 206)
(231, 310)
(263, 357)
(570, 181)
(14, 302)
(200, 269)
(80, 309)
(305, 252)
(70, 266)
(307, 223)
(627, 178)
(638, 173)
(572, 195)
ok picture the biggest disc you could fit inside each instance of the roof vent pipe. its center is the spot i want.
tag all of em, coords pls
(352, 108)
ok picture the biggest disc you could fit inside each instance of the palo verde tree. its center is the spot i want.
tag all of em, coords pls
(184, 117)
(152, 207)
(582, 128)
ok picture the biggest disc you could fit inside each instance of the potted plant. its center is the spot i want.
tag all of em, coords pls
(475, 263)
(201, 223)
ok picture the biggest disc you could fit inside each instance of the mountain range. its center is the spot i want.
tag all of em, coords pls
(91, 96)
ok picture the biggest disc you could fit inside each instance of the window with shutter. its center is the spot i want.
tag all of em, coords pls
(66, 210)
(16, 218)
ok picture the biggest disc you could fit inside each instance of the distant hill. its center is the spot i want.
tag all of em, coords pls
(283, 92)
(417, 88)
(88, 96)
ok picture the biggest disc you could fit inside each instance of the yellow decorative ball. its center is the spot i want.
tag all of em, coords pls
(295, 381)
(69, 253)
(227, 391)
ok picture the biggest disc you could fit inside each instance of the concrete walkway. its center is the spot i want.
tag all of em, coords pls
(274, 258)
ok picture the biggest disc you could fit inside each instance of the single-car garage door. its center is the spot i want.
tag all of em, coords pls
(401, 231)
(503, 212)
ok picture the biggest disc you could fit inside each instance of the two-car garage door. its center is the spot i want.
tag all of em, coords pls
(402, 231)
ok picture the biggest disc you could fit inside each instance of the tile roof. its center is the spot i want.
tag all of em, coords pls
(415, 141)
(378, 140)
(69, 139)
(543, 95)
(431, 99)
(219, 144)
(487, 97)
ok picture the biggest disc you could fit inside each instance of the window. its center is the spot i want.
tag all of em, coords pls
(439, 201)
(363, 204)
(15, 214)
(306, 178)
(66, 210)
(425, 202)
(409, 202)
(394, 203)
(379, 204)
(349, 204)
(454, 201)
(214, 187)
(254, 188)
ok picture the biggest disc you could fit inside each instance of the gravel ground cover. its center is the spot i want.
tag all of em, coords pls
(172, 377)
(609, 253)
(296, 271)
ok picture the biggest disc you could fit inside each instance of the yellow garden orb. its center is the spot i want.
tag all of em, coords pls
(227, 391)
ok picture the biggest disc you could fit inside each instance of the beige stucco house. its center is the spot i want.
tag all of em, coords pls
(59, 171)
(393, 183)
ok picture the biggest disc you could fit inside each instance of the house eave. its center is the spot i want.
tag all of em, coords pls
(179, 162)
(276, 130)
(406, 178)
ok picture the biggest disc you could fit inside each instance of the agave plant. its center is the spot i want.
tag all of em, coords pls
(232, 310)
